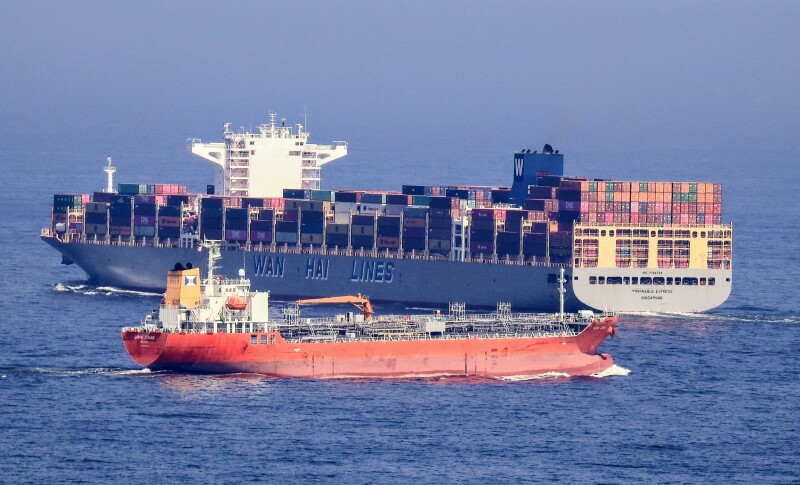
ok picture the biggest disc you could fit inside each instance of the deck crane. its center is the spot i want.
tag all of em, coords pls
(358, 300)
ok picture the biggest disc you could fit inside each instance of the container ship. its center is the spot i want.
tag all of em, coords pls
(220, 326)
(629, 246)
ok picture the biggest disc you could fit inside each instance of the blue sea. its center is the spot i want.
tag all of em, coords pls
(696, 398)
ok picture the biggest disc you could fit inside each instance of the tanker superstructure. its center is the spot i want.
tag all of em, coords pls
(628, 246)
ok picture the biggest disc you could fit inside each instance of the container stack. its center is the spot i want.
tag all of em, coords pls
(312, 221)
(337, 235)
(236, 221)
(169, 221)
(120, 216)
(286, 230)
(414, 223)
(211, 216)
(440, 223)
(262, 228)
(145, 208)
(95, 219)
(362, 228)
(388, 232)
(151, 189)
(483, 229)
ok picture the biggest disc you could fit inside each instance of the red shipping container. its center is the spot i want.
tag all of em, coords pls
(608, 217)
(389, 242)
(634, 218)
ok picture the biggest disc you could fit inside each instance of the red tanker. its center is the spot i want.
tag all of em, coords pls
(196, 330)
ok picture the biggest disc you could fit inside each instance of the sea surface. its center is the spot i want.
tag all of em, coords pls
(695, 398)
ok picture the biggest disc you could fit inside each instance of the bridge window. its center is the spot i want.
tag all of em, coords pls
(712, 281)
(658, 280)
(635, 280)
(690, 281)
(254, 340)
(646, 280)
(601, 280)
(593, 280)
(626, 280)
(614, 280)
(264, 339)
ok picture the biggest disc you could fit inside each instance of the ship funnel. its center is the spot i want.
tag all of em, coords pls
(183, 288)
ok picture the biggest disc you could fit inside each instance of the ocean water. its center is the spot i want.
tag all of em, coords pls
(695, 398)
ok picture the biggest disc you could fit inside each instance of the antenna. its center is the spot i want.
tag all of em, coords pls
(110, 169)
(561, 292)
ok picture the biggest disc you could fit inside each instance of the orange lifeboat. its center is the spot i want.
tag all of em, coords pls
(236, 303)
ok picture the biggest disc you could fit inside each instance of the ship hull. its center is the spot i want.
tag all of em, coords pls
(259, 353)
(291, 275)
(388, 279)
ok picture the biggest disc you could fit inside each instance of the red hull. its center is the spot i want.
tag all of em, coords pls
(235, 352)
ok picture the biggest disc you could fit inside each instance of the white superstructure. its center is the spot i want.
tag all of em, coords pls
(262, 164)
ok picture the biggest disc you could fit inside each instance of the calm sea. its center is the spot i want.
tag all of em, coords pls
(703, 398)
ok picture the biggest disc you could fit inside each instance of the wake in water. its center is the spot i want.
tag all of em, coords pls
(614, 370)
(88, 290)
(91, 371)
(712, 317)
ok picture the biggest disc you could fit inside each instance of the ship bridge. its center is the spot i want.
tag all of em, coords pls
(263, 163)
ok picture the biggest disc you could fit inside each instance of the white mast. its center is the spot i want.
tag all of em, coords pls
(110, 169)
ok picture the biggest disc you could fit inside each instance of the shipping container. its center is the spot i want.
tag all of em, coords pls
(421, 200)
(362, 242)
(336, 240)
(439, 244)
(266, 214)
(413, 189)
(481, 247)
(106, 197)
(96, 218)
(413, 243)
(363, 220)
(286, 226)
(500, 196)
(145, 210)
(322, 195)
(296, 194)
(347, 196)
(414, 232)
(123, 231)
(312, 239)
(144, 220)
(388, 242)
(414, 222)
(177, 200)
(373, 198)
(286, 237)
(259, 236)
(311, 227)
(96, 229)
(398, 199)
(441, 203)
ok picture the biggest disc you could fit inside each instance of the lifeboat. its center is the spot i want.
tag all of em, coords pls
(236, 303)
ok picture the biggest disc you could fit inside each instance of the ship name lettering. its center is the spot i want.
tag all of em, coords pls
(317, 268)
(377, 271)
(272, 266)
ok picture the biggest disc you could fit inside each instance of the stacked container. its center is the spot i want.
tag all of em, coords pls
(483, 229)
(388, 232)
(440, 224)
(362, 231)
(211, 218)
(414, 226)
(262, 228)
(236, 220)
(169, 222)
(95, 218)
(120, 216)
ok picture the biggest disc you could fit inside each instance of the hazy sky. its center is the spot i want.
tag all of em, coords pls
(410, 79)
